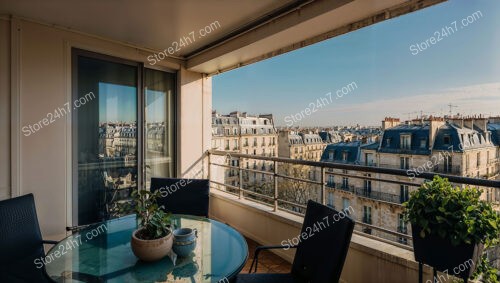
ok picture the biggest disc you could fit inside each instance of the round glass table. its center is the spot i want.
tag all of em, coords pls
(102, 253)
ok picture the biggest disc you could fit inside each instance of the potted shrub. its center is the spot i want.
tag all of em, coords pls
(153, 240)
(451, 227)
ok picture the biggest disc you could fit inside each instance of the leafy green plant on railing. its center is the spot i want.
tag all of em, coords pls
(456, 214)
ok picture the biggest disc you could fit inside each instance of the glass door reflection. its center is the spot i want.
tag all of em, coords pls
(105, 139)
(159, 89)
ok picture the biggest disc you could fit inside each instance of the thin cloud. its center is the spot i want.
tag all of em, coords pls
(473, 99)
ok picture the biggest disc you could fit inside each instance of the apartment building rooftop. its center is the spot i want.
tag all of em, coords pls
(342, 152)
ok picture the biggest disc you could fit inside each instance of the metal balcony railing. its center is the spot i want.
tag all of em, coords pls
(268, 192)
(493, 161)
(450, 169)
(367, 220)
(376, 195)
(403, 229)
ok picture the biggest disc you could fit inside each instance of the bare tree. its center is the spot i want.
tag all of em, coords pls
(297, 191)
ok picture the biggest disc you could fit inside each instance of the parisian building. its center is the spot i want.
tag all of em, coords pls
(467, 146)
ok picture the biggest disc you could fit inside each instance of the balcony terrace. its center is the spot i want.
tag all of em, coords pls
(39, 43)
(255, 212)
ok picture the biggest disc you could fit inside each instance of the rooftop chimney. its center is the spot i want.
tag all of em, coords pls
(390, 122)
(469, 122)
(481, 123)
(434, 124)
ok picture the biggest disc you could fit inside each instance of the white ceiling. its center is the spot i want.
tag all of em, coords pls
(156, 24)
(153, 24)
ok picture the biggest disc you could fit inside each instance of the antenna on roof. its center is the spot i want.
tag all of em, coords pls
(451, 108)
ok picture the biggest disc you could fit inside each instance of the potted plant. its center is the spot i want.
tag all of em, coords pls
(451, 227)
(153, 240)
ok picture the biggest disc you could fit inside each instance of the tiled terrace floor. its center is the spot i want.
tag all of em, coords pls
(268, 262)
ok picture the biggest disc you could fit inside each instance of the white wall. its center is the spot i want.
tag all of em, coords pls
(44, 63)
(195, 109)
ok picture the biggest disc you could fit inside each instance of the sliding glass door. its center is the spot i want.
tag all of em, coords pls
(122, 137)
(159, 116)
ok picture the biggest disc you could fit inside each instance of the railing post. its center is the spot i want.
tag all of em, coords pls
(323, 187)
(240, 183)
(275, 177)
(208, 164)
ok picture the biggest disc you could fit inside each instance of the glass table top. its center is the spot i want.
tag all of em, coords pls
(103, 253)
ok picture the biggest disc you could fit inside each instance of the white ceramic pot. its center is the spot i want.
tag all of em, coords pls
(151, 250)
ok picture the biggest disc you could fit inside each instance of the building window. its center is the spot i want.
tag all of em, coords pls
(388, 142)
(367, 214)
(330, 200)
(448, 164)
(403, 193)
(367, 186)
(330, 155)
(345, 183)
(402, 228)
(369, 159)
(423, 143)
(345, 154)
(331, 181)
(346, 206)
(478, 159)
(404, 163)
(447, 140)
(405, 141)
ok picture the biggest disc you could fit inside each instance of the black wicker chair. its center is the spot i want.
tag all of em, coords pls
(183, 196)
(320, 254)
(21, 241)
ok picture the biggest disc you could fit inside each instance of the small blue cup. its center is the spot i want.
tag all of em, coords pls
(184, 241)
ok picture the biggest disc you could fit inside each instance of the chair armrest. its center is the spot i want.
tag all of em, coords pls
(260, 248)
(50, 242)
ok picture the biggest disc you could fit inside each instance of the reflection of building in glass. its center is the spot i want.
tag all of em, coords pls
(117, 139)
(117, 164)
(156, 137)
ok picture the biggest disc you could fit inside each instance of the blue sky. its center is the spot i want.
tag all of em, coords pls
(117, 103)
(462, 68)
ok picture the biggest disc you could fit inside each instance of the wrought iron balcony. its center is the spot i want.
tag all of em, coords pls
(403, 229)
(451, 169)
(377, 195)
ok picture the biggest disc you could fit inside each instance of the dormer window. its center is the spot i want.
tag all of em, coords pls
(423, 143)
(330, 155)
(344, 156)
(405, 141)
(388, 142)
(447, 140)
